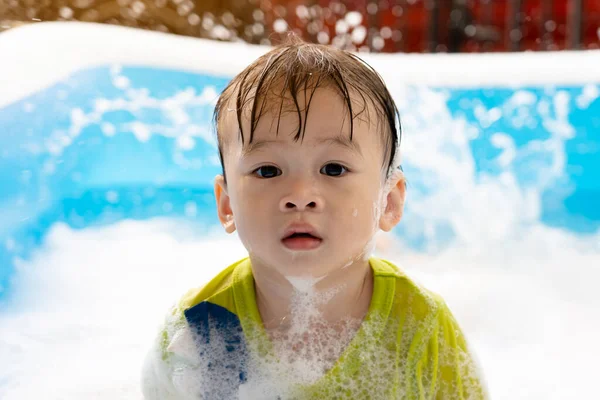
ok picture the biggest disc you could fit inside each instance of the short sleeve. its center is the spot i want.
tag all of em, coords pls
(446, 369)
(170, 369)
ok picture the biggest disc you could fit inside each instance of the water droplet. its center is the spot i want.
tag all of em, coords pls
(191, 209)
(108, 129)
(66, 13)
(323, 37)
(280, 25)
(112, 197)
(341, 27)
(194, 19)
(359, 34)
(353, 18)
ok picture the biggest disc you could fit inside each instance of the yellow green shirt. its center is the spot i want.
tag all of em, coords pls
(409, 346)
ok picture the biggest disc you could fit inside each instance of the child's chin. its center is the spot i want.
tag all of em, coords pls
(306, 264)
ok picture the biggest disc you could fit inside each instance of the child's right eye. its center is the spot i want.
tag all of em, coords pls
(267, 171)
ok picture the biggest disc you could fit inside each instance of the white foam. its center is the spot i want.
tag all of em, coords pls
(88, 304)
(303, 284)
(528, 307)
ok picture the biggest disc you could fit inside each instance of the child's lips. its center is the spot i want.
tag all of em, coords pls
(301, 235)
(301, 242)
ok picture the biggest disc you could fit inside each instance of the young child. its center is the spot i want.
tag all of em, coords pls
(308, 138)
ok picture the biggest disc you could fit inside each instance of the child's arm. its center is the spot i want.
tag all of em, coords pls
(447, 370)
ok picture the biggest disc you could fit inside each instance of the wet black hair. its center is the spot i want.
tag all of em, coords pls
(296, 65)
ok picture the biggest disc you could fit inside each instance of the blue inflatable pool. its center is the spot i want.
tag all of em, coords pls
(118, 138)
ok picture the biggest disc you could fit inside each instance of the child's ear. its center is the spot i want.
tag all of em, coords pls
(224, 205)
(394, 203)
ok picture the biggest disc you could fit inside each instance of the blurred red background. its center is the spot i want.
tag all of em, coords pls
(362, 25)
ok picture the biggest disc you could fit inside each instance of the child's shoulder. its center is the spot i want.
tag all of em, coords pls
(218, 288)
(175, 336)
(409, 294)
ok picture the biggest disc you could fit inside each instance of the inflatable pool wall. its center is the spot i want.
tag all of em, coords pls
(102, 123)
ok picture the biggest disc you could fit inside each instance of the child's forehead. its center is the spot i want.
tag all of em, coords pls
(316, 117)
(313, 100)
(319, 128)
(322, 109)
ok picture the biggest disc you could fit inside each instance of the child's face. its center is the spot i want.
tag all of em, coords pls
(326, 184)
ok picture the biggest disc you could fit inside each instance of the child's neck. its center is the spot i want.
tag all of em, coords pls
(338, 299)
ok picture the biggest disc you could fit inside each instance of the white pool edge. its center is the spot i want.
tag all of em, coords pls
(46, 52)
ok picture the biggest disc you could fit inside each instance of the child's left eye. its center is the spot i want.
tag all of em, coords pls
(333, 169)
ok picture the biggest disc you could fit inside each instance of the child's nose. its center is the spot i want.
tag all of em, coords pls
(302, 197)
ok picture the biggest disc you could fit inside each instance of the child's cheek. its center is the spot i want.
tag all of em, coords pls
(359, 219)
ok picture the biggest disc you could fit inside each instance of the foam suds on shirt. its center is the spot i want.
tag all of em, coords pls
(305, 346)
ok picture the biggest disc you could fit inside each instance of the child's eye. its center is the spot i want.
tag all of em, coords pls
(267, 171)
(333, 169)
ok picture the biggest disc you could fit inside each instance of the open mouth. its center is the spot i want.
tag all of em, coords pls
(301, 241)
